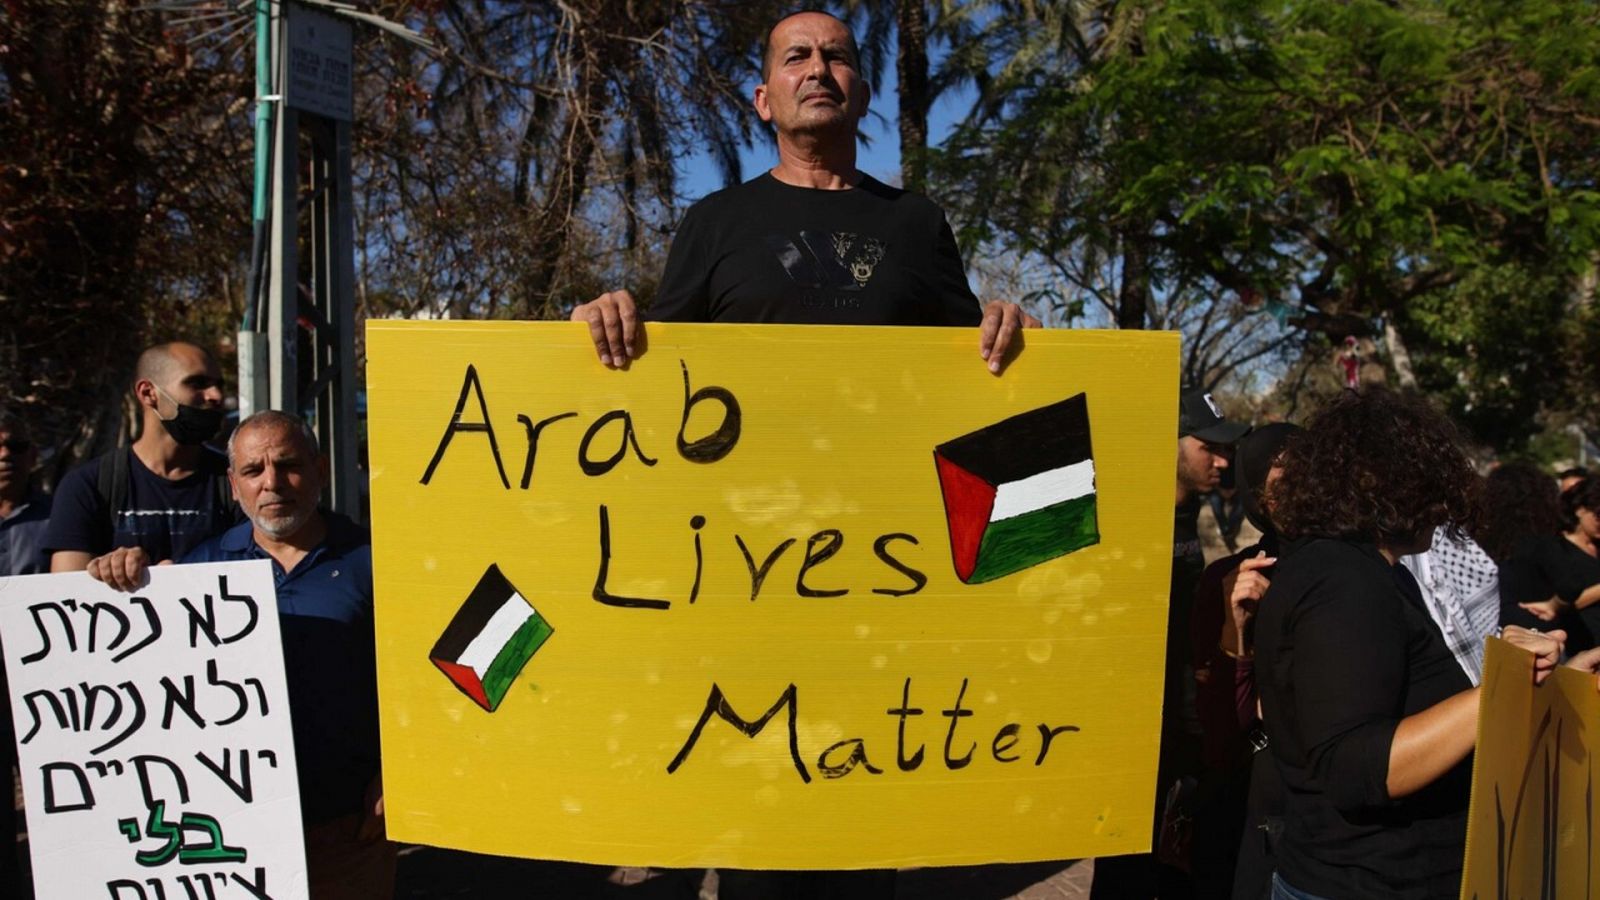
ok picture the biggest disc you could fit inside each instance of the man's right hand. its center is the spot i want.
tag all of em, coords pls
(613, 324)
(124, 568)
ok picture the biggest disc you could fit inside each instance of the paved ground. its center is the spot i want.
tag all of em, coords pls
(427, 872)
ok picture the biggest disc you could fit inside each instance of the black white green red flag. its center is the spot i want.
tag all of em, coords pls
(1019, 492)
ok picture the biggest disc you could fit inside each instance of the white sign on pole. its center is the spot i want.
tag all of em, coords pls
(317, 73)
(153, 734)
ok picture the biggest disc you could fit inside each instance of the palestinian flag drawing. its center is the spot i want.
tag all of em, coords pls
(493, 635)
(1019, 492)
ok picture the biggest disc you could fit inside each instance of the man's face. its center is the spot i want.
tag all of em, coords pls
(278, 478)
(191, 379)
(16, 461)
(812, 81)
(1200, 464)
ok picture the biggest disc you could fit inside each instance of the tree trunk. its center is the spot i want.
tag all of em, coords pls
(1397, 352)
(551, 224)
(911, 65)
(1133, 296)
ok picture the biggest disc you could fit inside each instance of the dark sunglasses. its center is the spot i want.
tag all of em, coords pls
(17, 445)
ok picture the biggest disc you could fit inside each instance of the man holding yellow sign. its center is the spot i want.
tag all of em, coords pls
(776, 597)
(840, 247)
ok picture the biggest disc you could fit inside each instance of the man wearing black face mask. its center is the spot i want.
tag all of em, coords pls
(167, 492)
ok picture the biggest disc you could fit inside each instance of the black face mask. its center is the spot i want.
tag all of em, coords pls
(192, 425)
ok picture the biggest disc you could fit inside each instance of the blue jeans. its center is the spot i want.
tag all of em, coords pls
(1283, 890)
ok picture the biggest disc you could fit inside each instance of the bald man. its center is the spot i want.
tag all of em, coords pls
(167, 492)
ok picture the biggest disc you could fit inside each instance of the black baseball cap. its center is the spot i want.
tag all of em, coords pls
(1199, 415)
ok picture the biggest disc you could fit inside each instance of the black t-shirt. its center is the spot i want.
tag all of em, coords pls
(1548, 566)
(1568, 570)
(1179, 715)
(768, 252)
(1180, 718)
(1522, 578)
(1345, 649)
(1188, 559)
(166, 518)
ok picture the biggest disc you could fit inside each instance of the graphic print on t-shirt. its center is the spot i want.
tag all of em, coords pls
(835, 260)
(138, 524)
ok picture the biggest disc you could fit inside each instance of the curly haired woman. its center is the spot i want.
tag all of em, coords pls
(1370, 718)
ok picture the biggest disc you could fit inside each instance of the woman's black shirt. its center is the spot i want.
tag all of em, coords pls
(1345, 649)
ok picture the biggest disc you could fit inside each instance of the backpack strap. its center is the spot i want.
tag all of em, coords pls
(111, 485)
(223, 512)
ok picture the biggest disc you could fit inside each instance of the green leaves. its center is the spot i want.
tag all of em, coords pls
(1406, 160)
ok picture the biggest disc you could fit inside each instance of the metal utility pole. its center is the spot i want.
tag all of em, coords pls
(297, 339)
(252, 342)
(297, 342)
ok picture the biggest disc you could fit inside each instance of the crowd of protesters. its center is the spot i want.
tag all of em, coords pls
(1320, 704)
(1337, 660)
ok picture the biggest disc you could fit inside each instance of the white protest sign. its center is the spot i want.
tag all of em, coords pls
(153, 735)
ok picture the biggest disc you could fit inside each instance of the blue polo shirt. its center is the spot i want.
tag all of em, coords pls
(325, 616)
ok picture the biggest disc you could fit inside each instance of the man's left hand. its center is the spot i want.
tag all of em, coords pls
(1000, 323)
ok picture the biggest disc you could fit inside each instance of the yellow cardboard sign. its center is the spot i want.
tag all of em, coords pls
(1531, 830)
(773, 596)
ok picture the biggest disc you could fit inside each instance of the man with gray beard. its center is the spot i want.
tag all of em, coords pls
(322, 569)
